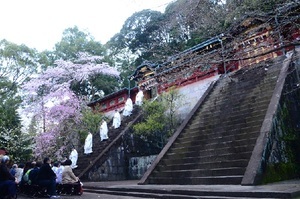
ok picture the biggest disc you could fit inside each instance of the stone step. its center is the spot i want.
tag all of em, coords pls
(217, 143)
(217, 109)
(219, 132)
(203, 148)
(239, 97)
(188, 180)
(227, 123)
(154, 194)
(232, 171)
(211, 132)
(246, 92)
(203, 152)
(190, 191)
(212, 164)
(174, 160)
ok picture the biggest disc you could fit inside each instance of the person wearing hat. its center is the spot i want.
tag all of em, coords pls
(8, 185)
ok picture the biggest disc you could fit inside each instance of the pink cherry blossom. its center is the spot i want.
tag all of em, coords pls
(48, 96)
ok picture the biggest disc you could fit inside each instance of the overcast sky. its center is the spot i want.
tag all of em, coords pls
(39, 23)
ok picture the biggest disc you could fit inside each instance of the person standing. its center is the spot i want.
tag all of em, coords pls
(128, 107)
(103, 131)
(116, 119)
(139, 98)
(74, 157)
(47, 178)
(88, 144)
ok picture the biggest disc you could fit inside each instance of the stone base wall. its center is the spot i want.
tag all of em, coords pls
(113, 169)
(119, 167)
(139, 165)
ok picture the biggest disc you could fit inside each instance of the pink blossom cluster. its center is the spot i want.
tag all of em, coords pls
(49, 97)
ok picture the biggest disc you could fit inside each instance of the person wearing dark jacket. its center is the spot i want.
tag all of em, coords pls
(33, 174)
(46, 177)
(8, 185)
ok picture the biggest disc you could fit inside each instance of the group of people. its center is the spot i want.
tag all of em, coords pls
(42, 174)
(88, 145)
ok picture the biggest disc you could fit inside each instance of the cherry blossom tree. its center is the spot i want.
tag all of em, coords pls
(50, 99)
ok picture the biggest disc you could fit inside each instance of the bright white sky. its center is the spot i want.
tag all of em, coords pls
(39, 23)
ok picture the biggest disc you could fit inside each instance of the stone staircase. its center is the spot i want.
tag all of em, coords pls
(101, 148)
(129, 189)
(216, 143)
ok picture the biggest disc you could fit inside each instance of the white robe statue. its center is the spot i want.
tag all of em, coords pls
(128, 107)
(88, 144)
(103, 131)
(73, 157)
(116, 120)
(139, 98)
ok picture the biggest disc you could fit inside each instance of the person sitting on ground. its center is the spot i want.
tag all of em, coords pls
(28, 165)
(19, 173)
(68, 177)
(8, 187)
(13, 170)
(32, 177)
(47, 177)
(25, 177)
(58, 169)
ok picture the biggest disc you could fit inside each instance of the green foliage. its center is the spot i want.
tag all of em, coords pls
(46, 59)
(105, 83)
(172, 101)
(160, 120)
(89, 123)
(19, 145)
(154, 120)
(17, 63)
(75, 41)
(9, 103)
(280, 171)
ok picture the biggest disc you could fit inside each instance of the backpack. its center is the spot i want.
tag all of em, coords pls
(26, 176)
